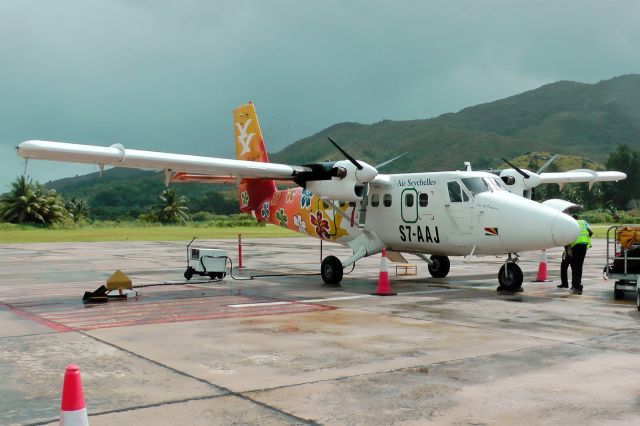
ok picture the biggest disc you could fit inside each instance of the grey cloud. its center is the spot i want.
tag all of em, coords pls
(165, 75)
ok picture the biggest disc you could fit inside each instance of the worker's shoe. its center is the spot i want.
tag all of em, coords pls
(575, 290)
(563, 286)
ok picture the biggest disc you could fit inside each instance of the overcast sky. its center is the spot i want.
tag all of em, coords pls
(165, 75)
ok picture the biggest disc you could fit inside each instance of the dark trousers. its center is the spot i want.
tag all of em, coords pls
(564, 266)
(578, 252)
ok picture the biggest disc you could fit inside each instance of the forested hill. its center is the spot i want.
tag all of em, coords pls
(566, 117)
(585, 120)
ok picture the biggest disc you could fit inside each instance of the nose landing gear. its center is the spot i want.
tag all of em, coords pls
(510, 276)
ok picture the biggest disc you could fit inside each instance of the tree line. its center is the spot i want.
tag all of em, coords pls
(30, 202)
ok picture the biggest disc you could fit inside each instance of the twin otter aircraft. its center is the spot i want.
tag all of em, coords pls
(431, 215)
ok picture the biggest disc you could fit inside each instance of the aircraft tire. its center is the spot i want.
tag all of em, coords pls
(638, 298)
(441, 266)
(513, 279)
(331, 270)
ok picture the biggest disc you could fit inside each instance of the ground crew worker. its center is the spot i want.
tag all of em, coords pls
(578, 252)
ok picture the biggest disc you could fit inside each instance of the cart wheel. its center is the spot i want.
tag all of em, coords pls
(638, 298)
(188, 274)
(618, 294)
(213, 275)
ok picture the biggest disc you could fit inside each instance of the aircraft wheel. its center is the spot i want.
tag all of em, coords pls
(331, 270)
(188, 274)
(638, 298)
(440, 267)
(512, 279)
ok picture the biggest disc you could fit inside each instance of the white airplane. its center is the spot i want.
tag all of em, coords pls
(432, 215)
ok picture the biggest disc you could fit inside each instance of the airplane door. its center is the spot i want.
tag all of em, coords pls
(409, 205)
(459, 207)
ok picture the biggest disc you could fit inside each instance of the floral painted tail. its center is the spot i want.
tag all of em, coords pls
(250, 147)
(297, 209)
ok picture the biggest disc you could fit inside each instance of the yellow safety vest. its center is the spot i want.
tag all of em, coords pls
(583, 236)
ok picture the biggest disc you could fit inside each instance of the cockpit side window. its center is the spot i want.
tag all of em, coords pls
(455, 192)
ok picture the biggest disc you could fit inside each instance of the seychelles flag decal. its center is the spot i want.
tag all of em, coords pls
(491, 231)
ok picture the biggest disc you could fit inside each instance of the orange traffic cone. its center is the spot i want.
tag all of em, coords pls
(73, 412)
(542, 277)
(384, 289)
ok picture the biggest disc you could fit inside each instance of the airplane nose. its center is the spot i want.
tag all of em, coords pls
(525, 225)
(564, 229)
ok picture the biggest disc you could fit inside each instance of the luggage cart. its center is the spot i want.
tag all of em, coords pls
(623, 260)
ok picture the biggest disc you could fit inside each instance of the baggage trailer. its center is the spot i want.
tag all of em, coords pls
(623, 260)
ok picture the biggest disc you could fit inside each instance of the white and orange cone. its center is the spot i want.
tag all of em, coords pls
(384, 288)
(542, 276)
(73, 412)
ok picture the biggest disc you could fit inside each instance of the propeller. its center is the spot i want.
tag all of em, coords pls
(516, 168)
(547, 164)
(346, 155)
(389, 161)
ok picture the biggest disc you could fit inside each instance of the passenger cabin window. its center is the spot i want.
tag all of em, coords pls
(386, 200)
(456, 194)
(423, 199)
(408, 199)
(375, 200)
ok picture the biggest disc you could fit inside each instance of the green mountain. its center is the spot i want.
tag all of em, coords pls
(569, 118)
(128, 193)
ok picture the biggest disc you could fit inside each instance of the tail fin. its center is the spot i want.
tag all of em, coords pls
(250, 147)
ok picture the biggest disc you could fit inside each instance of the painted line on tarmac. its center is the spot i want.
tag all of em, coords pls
(24, 314)
(331, 299)
(247, 305)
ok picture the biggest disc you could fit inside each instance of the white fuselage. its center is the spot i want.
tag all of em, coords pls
(459, 213)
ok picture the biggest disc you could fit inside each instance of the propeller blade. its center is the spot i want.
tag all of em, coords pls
(389, 161)
(347, 156)
(516, 168)
(547, 164)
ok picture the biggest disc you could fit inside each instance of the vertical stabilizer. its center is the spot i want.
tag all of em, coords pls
(250, 147)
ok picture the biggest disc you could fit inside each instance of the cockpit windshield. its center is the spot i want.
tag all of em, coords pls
(476, 185)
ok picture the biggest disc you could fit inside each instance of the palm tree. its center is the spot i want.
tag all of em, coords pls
(29, 202)
(23, 203)
(78, 209)
(170, 208)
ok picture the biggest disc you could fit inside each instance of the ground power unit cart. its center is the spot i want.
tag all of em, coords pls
(623, 260)
(205, 261)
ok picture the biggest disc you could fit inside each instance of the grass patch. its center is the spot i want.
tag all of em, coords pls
(135, 232)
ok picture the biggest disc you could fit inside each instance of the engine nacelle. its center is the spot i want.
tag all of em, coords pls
(345, 189)
(346, 184)
(518, 184)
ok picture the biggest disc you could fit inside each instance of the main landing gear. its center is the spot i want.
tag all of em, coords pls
(510, 276)
(331, 270)
(439, 266)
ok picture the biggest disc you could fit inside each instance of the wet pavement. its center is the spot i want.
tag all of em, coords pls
(288, 350)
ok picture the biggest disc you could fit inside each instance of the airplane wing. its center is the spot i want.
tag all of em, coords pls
(581, 175)
(339, 180)
(118, 156)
